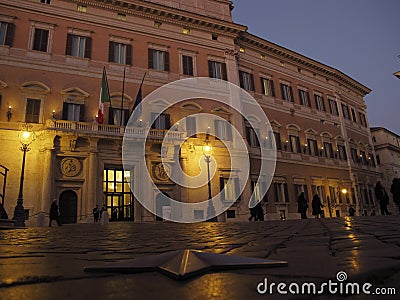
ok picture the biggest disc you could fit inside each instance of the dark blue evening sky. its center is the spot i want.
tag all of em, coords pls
(361, 38)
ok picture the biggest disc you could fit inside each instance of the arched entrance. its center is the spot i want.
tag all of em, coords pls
(163, 207)
(68, 206)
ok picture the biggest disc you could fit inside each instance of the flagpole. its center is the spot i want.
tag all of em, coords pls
(122, 98)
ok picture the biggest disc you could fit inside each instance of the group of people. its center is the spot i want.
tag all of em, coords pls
(316, 205)
(383, 197)
(97, 213)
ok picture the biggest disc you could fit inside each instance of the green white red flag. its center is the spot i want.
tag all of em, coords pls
(104, 97)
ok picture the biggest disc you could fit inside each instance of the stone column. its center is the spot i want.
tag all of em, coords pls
(92, 197)
(48, 166)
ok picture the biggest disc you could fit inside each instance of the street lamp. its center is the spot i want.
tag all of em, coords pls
(207, 151)
(26, 137)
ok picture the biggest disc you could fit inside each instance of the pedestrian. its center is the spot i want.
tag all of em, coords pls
(316, 206)
(253, 214)
(259, 212)
(395, 190)
(54, 214)
(96, 213)
(352, 211)
(302, 205)
(382, 197)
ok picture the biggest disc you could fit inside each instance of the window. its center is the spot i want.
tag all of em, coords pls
(294, 144)
(78, 46)
(186, 31)
(187, 65)
(121, 16)
(230, 188)
(299, 188)
(312, 147)
(354, 155)
(257, 190)
(278, 141)
(328, 150)
(32, 110)
(120, 53)
(319, 190)
(81, 8)
(353, 114)
(378, 160)
(268, 87)
(333, 107)
(217, 70)
(162, 122)
(6, 33)
(269, 140)
(372, 159)
(191, 126)
(230, 214)
(363, 120)
(158, 60)
(45, 1)
(246, 81)
(304, 98)
(40, 40)
(346, 112)
(333, 193)
(117, 116)
(342, 152)
(117, 193)
(287, 92)
(363, 158)
(319, 103)
(73, 112)
(281, 192)
(223, 130)
(251, 136)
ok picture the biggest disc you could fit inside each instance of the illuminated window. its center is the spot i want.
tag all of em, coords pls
(121, 16)
(81, 8)
(230, 189)
(45, 1)
(186, 31)
(157, 24)
(242, 50)
(268, 87)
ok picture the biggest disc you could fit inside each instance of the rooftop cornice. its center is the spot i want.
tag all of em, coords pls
(167, 14)
(264, 46)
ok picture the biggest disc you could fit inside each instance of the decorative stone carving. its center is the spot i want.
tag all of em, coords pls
(161, 171)
(70, 166)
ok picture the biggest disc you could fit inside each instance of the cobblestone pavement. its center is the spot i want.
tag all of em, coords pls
(48, 263)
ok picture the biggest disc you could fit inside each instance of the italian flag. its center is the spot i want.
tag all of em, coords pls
(104, 97)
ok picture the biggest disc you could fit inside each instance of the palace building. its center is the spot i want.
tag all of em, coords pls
(52, 55)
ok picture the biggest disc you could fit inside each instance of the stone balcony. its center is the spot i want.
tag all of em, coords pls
(113, 131)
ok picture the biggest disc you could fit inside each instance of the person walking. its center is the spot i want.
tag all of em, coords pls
(352, 211)
(96, 213)
(395, 190)
(54, 214)
(316, 206)
(382, 197)
(302, 205)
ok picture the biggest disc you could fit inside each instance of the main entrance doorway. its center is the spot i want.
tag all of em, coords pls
(68, 206)
(118, 197)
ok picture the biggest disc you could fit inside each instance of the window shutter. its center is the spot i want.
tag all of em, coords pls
(241, 81)
(308, 99)
(210, 69)
(65, 111)
(301, 98)
(36, 39)
(126, 116)
(252, 82)
(68, 48)
(167, 121)
(166, 61)
(298, 144)
(110, 116)
(44, 41)
(276, 193)
(272, 88)
(82, 113)
(10, 34)
(221, 187)
(224, 72)
(88, 48)
(111, 46)
(285, 187)
(129, 54)
(262, 85)
(283, 91)
(291, 94)
(237, 189)
(150, 59)
(323, 103)
(190, 67)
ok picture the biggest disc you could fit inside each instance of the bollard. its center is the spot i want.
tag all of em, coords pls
(41, 219)
(104, 218)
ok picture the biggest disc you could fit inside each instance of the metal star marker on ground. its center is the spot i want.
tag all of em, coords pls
(183, 264)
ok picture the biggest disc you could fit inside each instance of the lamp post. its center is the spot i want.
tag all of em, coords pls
(26, 137)
(207, 151)
(332, 206)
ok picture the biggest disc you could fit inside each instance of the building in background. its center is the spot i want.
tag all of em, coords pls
(387, 148)
(52, 55)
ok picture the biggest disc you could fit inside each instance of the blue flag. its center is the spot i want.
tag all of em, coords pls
(137, 107)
